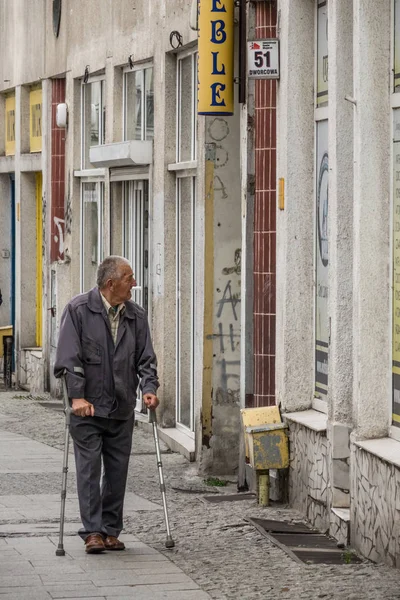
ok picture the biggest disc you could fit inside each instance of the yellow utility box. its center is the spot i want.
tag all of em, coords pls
(4, 332)
(266, 445)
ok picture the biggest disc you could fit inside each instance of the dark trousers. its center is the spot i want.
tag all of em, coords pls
(100, 441)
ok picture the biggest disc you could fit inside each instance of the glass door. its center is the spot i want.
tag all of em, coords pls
(91, 232)
(136, 237)
(135, 244)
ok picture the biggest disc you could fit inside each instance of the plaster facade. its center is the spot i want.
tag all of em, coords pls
(82, 205)
(342, 475)
(204, 209)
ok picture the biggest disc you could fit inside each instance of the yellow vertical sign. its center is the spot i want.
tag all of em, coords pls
(10, 125)
(215, 71)
(35, 120)
(39, 260)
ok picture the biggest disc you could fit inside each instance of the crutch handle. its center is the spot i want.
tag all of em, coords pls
(152, 416)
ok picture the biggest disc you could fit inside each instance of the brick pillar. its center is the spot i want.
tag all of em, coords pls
(264, 308)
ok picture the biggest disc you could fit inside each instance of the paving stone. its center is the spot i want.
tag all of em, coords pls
(73, 591)
(28, 594)
(8, 581)
(148, 591)
(174, 595)
(17, 568)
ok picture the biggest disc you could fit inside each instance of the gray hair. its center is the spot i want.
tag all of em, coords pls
(110, 269)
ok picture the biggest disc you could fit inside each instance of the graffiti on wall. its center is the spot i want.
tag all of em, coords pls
(226, 322)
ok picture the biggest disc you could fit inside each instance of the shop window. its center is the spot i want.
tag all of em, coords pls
(93, 118)
(322, 54)
(396, 53)
(395, 102)
(139, 104)
(321, 262)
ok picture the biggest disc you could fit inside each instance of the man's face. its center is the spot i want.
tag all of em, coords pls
(121, 287)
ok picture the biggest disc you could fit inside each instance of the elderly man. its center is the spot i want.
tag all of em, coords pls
(104, 349)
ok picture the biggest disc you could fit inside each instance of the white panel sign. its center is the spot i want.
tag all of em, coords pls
(263, 59)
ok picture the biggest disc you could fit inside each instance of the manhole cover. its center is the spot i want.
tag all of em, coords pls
(229, 497)
(304, 544)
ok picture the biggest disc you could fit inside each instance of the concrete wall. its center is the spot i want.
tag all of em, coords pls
(224, 134)
(102, 36)
(21, 42)
(342, 474)
(295, 248)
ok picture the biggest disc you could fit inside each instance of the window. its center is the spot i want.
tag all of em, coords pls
(322, 53)
(186, 108)
(396, 61)
(10, 125)
(91, 232)
(185, 169)
(321, 205)
(139, 104)
(93, 118)
(395, 100)
(35, 120)
(185, 291)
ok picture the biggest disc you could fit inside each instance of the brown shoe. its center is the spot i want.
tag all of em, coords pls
(94, 543)
(113, 543)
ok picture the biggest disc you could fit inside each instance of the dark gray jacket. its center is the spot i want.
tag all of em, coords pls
(105, 374)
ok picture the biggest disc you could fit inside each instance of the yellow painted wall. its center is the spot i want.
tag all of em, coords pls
(10, 126)
(39, 260)
(35, 120)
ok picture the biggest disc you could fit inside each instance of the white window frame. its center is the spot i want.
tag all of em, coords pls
(100, 226)
(394, 432)
(320, 114)
(181, 56)
(99, 78)
(185, 174)
(126, 71)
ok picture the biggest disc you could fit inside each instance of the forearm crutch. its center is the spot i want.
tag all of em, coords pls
(67, 411)
(169, 543)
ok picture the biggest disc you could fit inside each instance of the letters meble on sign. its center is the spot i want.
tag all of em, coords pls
(263, 59)
(215, 70)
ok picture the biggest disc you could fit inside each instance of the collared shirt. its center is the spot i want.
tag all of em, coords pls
(113, 313)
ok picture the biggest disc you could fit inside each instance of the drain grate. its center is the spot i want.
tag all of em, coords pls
(229, 497)
(304, 544)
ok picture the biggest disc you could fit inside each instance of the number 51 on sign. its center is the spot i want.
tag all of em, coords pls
(263, 59)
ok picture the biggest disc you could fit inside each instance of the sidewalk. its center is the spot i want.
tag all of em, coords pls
(29, 568)
(218, 554)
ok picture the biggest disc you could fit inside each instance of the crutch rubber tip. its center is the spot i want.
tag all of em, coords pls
(60, 552)
(170, 544)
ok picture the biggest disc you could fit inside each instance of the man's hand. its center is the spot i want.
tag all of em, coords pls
(82, 408)
(151, 401)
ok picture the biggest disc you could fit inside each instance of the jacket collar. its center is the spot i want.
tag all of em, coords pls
(95, 304)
